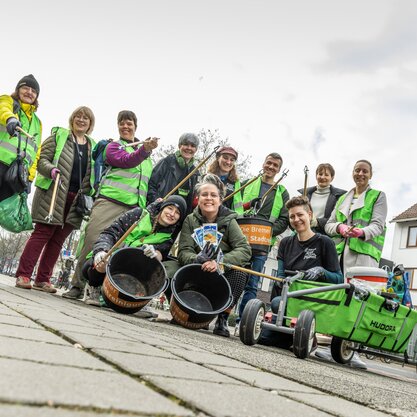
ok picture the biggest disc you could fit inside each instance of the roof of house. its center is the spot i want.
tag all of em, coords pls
(409, 214)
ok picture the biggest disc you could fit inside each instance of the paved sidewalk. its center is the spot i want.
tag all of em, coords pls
(62, 358)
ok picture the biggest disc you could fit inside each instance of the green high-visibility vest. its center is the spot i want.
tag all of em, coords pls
(128, 185)
(8, 144)
(237, 205)
(361, 218)
(252, 191)
(61, 137)
(142, 234)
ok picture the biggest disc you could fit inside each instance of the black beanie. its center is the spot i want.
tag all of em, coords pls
(30, 81)
(178, 202)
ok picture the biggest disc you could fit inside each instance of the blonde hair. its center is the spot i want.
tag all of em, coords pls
(85, 111)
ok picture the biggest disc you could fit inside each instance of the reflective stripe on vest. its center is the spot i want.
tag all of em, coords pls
(8, 144)
(361, 218)
(142, 234)
(128, 185)
(237, 199)
(252, 191)
(61, 137)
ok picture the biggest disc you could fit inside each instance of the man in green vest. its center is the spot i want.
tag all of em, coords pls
(272, 209)
(158, 225)
(18, 111)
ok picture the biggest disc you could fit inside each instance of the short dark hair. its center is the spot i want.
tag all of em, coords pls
(366, 162)
(299, 201)
(127, 115)
(324, 167)
(274, 155)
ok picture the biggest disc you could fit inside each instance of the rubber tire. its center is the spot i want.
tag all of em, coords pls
(304, 329)
(251, 322)
(340, 350)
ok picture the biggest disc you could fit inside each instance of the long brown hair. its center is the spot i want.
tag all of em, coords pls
(214, 168)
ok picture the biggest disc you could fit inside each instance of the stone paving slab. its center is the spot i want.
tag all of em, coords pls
(335, 405)
(227, 400)
(6, 311)
(120, 345)
(37, 383)
(68, 326)
(28, 333)
(264, 380)
(50, 315)
(207, 358)
(19, 320)
(49, 353)
(146, 365)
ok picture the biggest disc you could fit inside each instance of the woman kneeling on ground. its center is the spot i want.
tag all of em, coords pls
(155, 233)
(210, 192)
(307, 251)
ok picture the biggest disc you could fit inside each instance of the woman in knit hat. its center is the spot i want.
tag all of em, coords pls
(159, 225)
(18, 111)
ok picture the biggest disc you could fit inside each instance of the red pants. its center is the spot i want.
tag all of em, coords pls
(48, 240)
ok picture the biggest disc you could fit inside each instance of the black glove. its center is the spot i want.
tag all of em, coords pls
(314, 274)
(206, 253)
(255, 202)
(154, 208)
(12, 124)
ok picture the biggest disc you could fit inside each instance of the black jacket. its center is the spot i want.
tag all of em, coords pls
(166, 175)
(334, 195)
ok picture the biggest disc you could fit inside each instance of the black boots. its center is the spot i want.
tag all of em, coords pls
(220, 328)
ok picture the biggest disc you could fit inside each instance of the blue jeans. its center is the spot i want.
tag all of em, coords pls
(257, 264)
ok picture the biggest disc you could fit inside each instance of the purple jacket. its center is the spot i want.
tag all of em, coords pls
(117, 156)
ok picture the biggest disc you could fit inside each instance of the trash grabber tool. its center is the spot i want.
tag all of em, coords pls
(192, 172)
(244, 186)
(305, 181)
(283, 175)
(19, 129)
(50, 215)
(249, 271)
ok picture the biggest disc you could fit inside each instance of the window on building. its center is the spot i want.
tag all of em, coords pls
(412, 236)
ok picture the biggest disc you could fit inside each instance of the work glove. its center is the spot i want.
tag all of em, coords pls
(343, 229)
(54, 173)
(314, 274)
(154, 208)
(356, 232)
(206, 253)
(149, 251)
(99, 264)
(11, 125)
(255, 202)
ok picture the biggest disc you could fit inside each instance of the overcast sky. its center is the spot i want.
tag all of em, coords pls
(317, 81)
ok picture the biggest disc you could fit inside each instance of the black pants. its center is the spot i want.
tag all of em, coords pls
(94, 278)
(5, 190)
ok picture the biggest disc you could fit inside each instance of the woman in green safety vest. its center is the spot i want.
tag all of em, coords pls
(159, 225)
(357, 223)
(67, 153)
(124, 187)
(224, 166)
(18, 110)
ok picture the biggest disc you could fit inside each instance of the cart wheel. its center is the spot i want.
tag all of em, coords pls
(341, 350)
(304, 332)
(250, 324)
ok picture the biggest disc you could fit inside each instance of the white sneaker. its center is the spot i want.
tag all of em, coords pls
(237, 330)
(92, 295)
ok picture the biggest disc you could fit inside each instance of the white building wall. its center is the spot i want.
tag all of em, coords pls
(400, 253)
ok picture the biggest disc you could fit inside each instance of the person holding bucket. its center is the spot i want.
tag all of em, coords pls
(124, 187)
(271, 208)
(210, 192)
(357, 223)
(224, 166)
(19, 111)
(323, 197)
(64, 169)
(158, 226)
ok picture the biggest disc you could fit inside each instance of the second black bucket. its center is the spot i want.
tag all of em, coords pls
(198, 296)
(132, 280)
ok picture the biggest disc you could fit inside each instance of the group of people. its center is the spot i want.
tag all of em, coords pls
(332, 229)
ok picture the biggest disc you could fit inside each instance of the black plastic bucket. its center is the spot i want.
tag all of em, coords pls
(132, 280)
(198, 296)
(258, 232)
